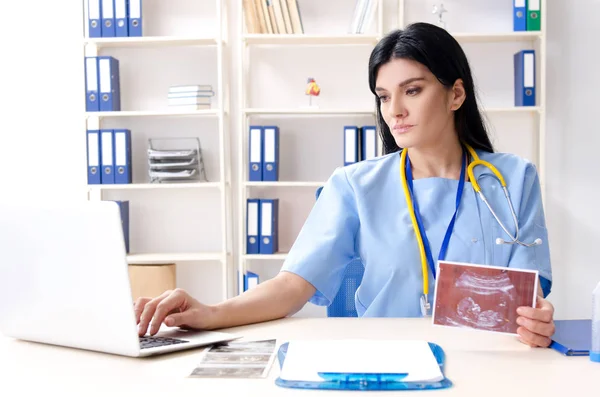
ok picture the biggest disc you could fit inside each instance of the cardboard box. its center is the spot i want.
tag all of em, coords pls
(151, 280)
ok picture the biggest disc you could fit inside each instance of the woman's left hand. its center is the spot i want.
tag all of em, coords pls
(536, 325)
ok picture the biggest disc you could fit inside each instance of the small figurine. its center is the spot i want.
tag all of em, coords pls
(439, 11)
(312, 89)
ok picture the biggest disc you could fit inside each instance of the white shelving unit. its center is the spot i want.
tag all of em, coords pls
(537, 40)
(284, 41)
(93, 47)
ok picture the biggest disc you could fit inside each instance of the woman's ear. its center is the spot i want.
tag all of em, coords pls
(458, 95)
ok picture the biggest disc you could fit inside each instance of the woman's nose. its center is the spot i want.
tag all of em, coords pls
(397, 109)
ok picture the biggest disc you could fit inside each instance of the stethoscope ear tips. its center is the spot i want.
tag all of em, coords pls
(538, 241)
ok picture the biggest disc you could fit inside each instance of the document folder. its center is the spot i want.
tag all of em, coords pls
(253, 227)
(368, 147)
(110, 84)
(365, 381)
(524, 78)
(93, 157)
(107, 161)
(108, 18)
(269, 226)
(256, 154)
(122, 158)
(135, 18)
(121, 20)
(124, 210)
(519, 15)
(94, 19)
(351, 145)
(534, 15)
(250, 280)
(270, 166)
(572, 337)
(92, 101)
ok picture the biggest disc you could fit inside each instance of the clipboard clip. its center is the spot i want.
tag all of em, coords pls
(362, 380)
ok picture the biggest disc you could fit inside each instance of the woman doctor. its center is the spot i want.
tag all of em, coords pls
(426, 105)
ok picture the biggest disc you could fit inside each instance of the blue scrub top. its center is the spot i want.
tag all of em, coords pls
(362, 212)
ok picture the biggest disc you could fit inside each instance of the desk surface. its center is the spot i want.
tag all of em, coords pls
(478, 364)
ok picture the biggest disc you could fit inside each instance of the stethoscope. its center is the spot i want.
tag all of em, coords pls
(413, 209)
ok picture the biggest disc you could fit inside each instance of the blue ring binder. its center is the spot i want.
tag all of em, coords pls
(367, 381)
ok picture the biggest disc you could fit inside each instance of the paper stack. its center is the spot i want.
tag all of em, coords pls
(191, 97)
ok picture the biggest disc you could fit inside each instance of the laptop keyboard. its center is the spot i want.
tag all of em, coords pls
(147, 342)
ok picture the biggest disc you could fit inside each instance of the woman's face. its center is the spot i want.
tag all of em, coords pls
(417, 108)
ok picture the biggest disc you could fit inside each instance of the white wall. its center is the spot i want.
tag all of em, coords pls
(573, 141)
(41, 81)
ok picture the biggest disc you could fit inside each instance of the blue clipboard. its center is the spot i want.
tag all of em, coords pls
(572, 337)
(369, 381)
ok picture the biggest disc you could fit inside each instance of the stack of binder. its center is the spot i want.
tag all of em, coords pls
(527, 15)
(360, 143)
(109, 156)
(264, 153)
(114, 18)
(262, 224)
(102, 84)
(169, 160)
(191, 97)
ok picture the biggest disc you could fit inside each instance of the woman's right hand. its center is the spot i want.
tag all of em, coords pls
(175, 308)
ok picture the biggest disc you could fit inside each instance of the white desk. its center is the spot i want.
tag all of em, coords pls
(479, 364)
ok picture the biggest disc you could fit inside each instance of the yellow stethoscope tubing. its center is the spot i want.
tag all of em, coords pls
(476, 161)
(413, 219)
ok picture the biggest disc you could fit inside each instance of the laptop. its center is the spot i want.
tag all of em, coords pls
(64, 281)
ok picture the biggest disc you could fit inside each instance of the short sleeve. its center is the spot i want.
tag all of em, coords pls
(326, 242)
(532, 226)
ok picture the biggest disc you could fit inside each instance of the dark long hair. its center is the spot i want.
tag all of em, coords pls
(436, 49)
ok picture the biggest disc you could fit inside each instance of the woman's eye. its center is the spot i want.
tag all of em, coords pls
(413, 91)
(383, 98)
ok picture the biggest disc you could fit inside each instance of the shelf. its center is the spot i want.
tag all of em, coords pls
(308, 111)
(274, 257)
(285, 184)
(496, 37)
(303, 39)
(513, 109)
(150, 41)
(145, 259)
(157, 186)
(365, 112)
(154, 113)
